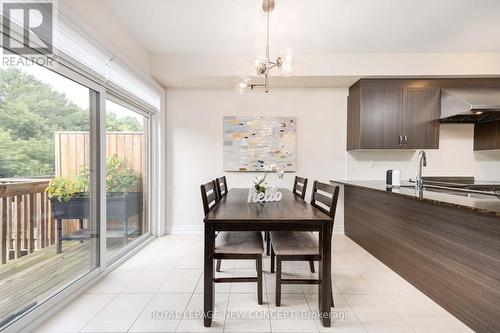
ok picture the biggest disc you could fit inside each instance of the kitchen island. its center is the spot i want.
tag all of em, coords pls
(446, 245)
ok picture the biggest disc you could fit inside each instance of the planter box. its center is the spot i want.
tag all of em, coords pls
(117, 207)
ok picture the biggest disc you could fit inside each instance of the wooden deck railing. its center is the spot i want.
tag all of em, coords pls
(25, 218)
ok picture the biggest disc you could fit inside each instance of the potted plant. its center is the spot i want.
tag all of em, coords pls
(69, 196)
(260, 182)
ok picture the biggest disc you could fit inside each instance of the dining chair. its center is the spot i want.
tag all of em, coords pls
(299, 189)
(234, 245)
(221, 187)
(302, 245)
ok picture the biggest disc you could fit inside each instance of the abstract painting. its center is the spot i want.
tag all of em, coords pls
(255, 143)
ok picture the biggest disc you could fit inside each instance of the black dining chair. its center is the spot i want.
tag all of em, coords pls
(235, 245)
(299, 189)
(221, 185)
(302, 245)
(221, 190)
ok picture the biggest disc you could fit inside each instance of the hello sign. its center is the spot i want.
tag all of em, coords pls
(272, 194)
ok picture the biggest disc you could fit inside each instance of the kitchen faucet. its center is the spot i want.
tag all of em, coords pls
(422, 162)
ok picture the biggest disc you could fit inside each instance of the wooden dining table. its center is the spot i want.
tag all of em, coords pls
(234, 213)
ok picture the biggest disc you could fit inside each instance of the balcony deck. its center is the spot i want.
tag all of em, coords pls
(28, 280)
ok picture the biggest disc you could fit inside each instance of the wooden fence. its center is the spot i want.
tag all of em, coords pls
(72, 150)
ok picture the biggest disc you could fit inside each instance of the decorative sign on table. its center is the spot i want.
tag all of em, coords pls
(251, 143)
(270, 194)
(260, 192)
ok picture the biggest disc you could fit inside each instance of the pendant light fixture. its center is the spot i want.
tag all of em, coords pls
(284, 62)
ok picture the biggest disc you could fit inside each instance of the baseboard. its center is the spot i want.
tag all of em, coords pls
(338, 230)
(198, 229)
(185, 229)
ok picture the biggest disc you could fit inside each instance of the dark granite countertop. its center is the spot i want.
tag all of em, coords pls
(480, 203)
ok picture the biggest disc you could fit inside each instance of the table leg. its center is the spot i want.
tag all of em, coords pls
(324, 290)
(208, 284)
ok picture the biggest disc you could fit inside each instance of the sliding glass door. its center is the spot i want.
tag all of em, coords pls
(49, 236)
(127, 176)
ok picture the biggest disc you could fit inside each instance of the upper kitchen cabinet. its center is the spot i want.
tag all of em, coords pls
(421, 113)
(392, 114)
(487, 136)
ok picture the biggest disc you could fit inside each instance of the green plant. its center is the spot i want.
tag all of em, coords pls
(260, 185)
(120, 180)
(64, 189)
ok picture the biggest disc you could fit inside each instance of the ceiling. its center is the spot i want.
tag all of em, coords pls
(313, 26)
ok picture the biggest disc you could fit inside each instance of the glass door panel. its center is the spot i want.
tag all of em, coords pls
(48, 238)
(126, 176)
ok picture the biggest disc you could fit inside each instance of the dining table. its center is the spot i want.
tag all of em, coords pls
(234, 213)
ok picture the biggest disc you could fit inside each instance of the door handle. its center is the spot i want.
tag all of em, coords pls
(405, 140)
(400, 140)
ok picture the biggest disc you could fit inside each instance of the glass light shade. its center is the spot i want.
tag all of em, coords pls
(260, 66)
(287, 62)
(242, 84)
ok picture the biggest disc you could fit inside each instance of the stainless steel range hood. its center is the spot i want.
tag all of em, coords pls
(470, 105)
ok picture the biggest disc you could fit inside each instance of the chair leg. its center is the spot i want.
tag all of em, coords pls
(311, 266)
(331, 297)
(268, 242)
(273, 257)
(259, 280)
(278, 281)
(219, 261)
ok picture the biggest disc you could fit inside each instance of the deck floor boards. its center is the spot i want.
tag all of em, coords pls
(29, 280)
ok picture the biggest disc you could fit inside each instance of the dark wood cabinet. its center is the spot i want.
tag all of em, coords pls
(421, 112)
(392, 115)
(487, 136)
(380, 119)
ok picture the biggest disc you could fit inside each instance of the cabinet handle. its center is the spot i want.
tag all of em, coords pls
(400, 140)
(406, 140)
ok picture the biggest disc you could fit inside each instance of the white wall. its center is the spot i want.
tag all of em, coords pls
(194, 146)
(194, 140)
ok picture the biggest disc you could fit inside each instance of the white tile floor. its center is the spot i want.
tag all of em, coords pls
(160, 290)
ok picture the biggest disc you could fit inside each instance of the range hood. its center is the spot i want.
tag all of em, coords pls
(470, 105)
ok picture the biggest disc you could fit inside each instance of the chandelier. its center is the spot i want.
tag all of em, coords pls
(284, 62)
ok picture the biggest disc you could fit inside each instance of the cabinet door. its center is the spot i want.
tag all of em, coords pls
(487, 136)
(380, 118)
(422, 109)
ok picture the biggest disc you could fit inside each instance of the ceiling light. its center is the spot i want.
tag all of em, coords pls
(242, 84)
(263, 65)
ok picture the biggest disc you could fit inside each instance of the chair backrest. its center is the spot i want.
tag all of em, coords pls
(221, 185)
(325, 197)
(209, 196)
(300, 187)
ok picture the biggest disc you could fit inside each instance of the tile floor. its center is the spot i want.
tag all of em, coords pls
(160, 290)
